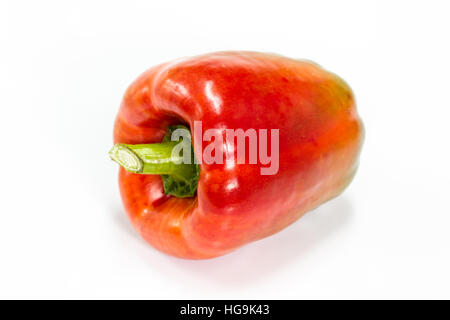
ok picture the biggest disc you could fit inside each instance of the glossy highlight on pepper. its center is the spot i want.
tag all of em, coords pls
(205, 210)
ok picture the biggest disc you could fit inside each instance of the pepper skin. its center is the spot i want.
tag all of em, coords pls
(320, 138)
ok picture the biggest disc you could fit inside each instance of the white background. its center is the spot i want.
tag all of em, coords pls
(64, 67)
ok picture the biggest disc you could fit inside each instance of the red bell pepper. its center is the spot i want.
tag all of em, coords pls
(206, 210)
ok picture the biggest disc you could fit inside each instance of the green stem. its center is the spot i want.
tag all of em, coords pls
(179, 179)
(155, 158)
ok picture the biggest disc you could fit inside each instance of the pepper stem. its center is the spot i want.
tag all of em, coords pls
(124, 156)
(165, 159)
